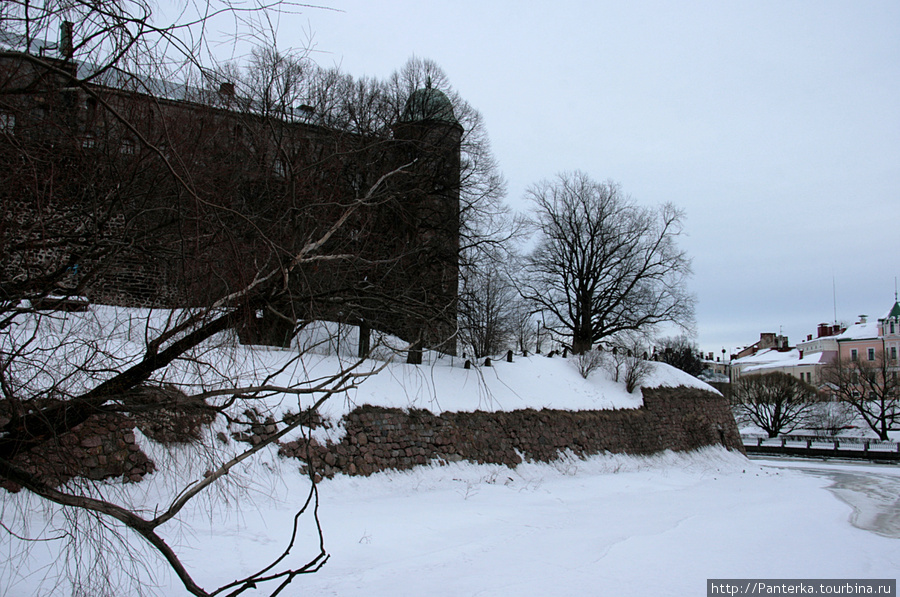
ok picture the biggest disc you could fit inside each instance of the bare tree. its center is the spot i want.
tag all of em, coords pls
(871, 387)
(831, 417)
(679, 352)
(487, 300)
(775, 402)
(590, 360)
(626, 360)
(524, 326)
(124, 146)
(603, 264)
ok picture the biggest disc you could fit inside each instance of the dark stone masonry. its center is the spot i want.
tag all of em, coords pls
(102, 447)
(377, 439)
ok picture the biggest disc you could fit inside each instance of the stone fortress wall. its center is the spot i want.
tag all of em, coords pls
(378, 439)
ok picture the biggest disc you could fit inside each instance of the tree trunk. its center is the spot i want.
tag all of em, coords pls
(414, 357)
(580, 345)
(365, 340)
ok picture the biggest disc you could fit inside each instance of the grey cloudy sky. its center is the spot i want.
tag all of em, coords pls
(774, 124)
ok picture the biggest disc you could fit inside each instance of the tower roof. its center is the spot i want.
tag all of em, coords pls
(428, 105)
(894, 312)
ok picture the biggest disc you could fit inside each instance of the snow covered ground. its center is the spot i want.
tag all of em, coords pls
(609, 525)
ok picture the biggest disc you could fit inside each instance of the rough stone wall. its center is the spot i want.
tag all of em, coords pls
(104, 445)
(380, 438)
(101, 447)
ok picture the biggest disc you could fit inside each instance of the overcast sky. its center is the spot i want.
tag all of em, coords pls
(774, 124)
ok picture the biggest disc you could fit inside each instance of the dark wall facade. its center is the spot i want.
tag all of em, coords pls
(145, 201)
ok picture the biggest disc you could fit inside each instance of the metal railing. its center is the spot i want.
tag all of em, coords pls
(818, 446)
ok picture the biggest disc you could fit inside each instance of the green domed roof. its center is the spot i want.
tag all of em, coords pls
(428, 105)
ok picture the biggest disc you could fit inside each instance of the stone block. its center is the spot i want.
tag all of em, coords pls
(93, 441)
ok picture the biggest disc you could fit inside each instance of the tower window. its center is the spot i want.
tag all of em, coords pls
(8, 123)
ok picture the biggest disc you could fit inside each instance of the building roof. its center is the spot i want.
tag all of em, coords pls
(769, 355)
(795, 360)
(860, 331)
(894, 313)
(428, 105)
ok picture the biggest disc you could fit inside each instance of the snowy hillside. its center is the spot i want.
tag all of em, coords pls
(609, 524)
(529, 382)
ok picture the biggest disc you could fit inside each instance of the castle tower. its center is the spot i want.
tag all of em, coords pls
(430, 138)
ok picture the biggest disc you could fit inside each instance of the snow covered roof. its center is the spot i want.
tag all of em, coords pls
(860, 331)
(769, 355)
(814, 358)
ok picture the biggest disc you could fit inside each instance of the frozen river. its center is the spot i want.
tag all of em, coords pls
(872, 491)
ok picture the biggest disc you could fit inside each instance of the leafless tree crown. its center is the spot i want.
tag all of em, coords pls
(603, 264)
(775, 402)
(870, 387)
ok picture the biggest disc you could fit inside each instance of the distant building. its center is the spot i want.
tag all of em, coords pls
(767, 341)
(864, 340)
(762, 361)
(715, 369)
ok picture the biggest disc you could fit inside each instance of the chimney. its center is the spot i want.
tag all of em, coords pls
(66, 43)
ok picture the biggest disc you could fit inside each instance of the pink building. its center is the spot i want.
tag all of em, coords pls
(865, 340)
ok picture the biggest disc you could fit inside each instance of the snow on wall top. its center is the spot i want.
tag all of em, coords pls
(529, 382)
(442, 384)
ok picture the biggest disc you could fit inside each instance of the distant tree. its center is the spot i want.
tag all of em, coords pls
(775, 402)
(603, 264)
(523, 325)
(832, 416)
(681, 353)
(486, 304)
(871, 387)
